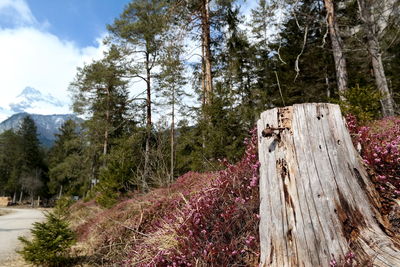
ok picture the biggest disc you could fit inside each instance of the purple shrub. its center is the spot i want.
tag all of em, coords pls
(219, 225)
(380, 149)
(349, 260)
(202, 219)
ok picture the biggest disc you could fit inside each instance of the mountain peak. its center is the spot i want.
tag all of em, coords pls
(32, 100)
(29, 91)
(47, 125)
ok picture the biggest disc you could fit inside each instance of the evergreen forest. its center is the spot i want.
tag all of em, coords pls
(175, 99)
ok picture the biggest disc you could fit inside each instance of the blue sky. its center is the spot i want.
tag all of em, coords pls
(80, 21)
(42, 42)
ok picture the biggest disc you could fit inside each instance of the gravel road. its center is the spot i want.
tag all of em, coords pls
(13, 225)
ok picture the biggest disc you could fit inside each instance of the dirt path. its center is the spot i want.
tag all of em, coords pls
(12, 225)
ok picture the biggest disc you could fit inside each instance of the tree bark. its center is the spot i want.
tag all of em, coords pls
(374, 49)
(317, 201)
(60, 193)
(337, 48)
(172, 136)
(21, 195)
(206, 50)
(148, 123)
(105, 144)
(203, 74)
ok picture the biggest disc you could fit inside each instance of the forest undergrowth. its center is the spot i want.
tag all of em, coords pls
(211, 219)
(202, 219)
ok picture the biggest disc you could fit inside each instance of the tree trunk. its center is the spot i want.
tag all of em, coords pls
(21, 195)
(317, 201)
(203, 74)
(380, 77)
(60, 193)
(172, 136)
(374, 49)
(148, 124)
(337, 46)
(105, 144)
(206, 49)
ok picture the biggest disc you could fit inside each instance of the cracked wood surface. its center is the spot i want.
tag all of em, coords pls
(316, 197)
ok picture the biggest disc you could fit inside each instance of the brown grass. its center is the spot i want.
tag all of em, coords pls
(111, 234)
(16, 261)
(4, 212)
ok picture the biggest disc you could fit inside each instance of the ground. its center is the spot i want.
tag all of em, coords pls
(16, 223)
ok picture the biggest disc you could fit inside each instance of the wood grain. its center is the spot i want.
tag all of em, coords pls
(317, 200)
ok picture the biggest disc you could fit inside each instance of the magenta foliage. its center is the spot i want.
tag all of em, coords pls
(348, 261)
(220, 223)
(203, 219)
(380, 148)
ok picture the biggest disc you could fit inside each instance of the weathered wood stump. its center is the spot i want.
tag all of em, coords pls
(317, 201)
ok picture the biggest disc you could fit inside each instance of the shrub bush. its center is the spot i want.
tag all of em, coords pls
(51, 242)
(208, 219)
(218, 226)
(361, 102)
(62, 205)
(380, 148)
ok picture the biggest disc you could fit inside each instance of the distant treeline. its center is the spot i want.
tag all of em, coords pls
(211, 71)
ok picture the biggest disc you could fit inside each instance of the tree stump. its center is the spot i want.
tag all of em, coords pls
(317, 200)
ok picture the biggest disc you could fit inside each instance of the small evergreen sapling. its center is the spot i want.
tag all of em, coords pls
(362, 102)
(51, 242)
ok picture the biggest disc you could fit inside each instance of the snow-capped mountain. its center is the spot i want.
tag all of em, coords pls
(4, 113)
(41, 107)
(33, 101)
(47, 125)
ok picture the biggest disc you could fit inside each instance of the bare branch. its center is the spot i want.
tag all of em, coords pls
(279, 86)
(326, 32)
(296, 67)
(279, 52)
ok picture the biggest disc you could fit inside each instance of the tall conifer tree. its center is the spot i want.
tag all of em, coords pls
(140, 29)
(100, 92)
(171, 87)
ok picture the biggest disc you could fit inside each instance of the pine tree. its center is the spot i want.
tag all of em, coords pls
(245, 65)
(223, 123)
(65, 161)
(356, 30)
(171, 81)
(304, 69)
(392, 62)
(33, 176)
(261, 24)
(10, 163)
(337, 47)
(100, 93)
(30, 144)
(51, 242)
(374, 21)
(140, 29)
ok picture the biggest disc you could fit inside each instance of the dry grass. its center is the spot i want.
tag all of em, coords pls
(4, 212)
(114, 233)
(202, 219)
(15, 261)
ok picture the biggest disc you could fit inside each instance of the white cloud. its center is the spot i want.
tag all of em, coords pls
(16, 12)
(30, 56)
